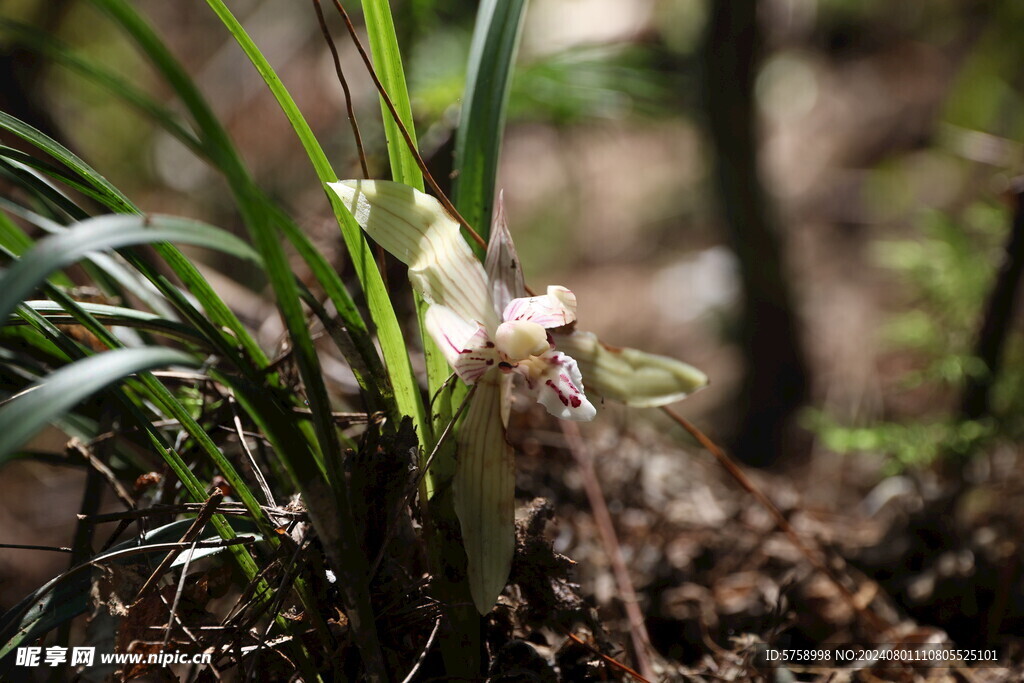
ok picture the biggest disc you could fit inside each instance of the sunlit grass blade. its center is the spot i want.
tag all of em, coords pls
(460, 645)
(389, 332)
(387, 61)
(108, 232)
(23, 417)
(253, 203)
(388, 66)
(114, 315)
(112, 197)
(481, 125)
(60, 175)
(215, 308)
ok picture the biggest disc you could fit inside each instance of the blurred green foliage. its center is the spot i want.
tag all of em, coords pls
(946, 268)
(905, 444)
(573, 85)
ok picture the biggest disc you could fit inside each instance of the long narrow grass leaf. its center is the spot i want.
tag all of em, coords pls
(60, 175)
(23, 417)
(387, 60)
(389, 332)
(481, 125)
(108, 232)
(116, 316)
(112, 196)
(254, 204)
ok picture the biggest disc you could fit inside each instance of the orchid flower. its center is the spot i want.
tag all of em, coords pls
(491, 331)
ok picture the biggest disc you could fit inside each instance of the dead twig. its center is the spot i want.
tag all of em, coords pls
(260, 479)
(449, 207)
(85, 452)
(381, 254)
(344, 85)
(207, 512)
(20, 546)
(173, 616)
(345, 419)
(287, 576)
(609, 660)
(609, 539)
(423, 655)
(186, 508)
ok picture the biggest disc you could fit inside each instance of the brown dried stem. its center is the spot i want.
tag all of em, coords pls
(610, 660)
(344, 86)
(637, 628)
(441, 196)
(207, 512)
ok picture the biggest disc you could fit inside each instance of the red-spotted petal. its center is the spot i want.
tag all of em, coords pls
(559, 388)
(554, 309)
(465, 344)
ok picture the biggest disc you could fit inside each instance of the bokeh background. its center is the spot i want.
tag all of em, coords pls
(810, 200)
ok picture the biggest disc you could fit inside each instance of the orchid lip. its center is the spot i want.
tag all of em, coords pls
(520, 339)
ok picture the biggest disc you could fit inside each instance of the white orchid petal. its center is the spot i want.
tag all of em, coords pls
(465, 344)
(554, 309)
(484, 495)
(559, 388)
(502, 263)
(416, 229)
(644, 380)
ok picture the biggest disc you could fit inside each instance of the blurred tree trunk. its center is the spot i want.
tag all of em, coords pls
(776, 376)
(998, 319)
(21, 71)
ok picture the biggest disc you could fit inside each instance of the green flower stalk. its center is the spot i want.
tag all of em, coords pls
(491, 332)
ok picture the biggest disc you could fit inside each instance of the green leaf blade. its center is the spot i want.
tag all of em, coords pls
(478, 139)
(23, 417)
(108, 232)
